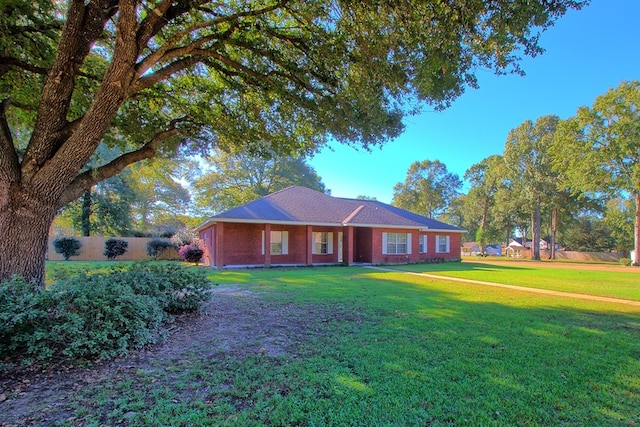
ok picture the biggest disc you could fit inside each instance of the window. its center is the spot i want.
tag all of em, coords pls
(279, 243)
(322, 243)
(423, 244)
(396, 243)
(442, 244)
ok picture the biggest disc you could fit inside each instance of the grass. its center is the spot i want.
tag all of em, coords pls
(399, 350)
(602, 281)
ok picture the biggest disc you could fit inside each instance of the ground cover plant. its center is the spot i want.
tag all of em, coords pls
(354, 346)
(603, 280)
(82, 317)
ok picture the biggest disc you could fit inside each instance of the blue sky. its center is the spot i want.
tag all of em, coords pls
(587, 52)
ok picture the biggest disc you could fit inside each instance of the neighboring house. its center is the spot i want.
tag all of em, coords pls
(472, 248)
(495, 250)
(544, 245)
(300, 226)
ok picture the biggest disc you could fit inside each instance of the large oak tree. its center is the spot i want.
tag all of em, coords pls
(157, 74)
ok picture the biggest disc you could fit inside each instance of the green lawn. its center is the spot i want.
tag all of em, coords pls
(603, 281)
(391, 349)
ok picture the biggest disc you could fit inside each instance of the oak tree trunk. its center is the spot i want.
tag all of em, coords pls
(24, 232)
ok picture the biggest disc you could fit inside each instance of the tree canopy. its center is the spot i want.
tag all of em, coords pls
(150, 77)
(428, 188)
(235, 179)
(599, 148)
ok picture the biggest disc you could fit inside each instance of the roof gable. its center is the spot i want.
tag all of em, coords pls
(301, 205)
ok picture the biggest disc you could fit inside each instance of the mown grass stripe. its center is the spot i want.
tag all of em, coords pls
(514, 287)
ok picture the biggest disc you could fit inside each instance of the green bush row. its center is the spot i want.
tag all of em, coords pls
(95, 316)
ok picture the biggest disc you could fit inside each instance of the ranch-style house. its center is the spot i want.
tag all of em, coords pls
(300, 226)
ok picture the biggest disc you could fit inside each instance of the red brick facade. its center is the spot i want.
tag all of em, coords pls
(247, 244)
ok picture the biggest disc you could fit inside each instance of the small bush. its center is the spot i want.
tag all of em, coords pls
(157, 247)
(67, 247)
(191, 253)
(113, 248)
(625, 261)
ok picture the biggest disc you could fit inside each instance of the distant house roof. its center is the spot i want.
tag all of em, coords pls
(301, 205)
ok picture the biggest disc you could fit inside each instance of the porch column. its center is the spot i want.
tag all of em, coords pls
(348, 246)
(309, 260)
(267, 245)
(217, 245)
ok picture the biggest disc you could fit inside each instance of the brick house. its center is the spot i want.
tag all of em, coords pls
(300, 226)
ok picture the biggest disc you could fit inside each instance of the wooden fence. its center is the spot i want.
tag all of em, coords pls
(93, 250)
(590, 256)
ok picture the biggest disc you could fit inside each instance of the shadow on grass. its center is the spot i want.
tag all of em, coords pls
(391, 349)
(442, 353)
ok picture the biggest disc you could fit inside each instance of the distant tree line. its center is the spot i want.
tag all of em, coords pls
(574, 182)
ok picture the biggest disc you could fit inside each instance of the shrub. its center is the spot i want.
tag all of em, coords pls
(625, 261)
(67, 246)
(191, 253)
(184, 237)
(115, 247)
(102, 315)
(180, 289)
(157, 247)
(21, 307)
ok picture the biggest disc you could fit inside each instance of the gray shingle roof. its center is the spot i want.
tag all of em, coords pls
(301, 205)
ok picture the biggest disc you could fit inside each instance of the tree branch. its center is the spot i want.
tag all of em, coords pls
(9, 164)
(164, 73)
(84, 25)
(91, 177)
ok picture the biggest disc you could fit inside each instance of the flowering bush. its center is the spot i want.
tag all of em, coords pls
(191, 253)
(184, 237)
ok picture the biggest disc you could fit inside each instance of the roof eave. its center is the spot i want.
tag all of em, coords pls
(419, 227)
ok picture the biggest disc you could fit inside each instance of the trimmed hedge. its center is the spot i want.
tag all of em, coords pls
(113, 248)
(67, 247)
(95, 316)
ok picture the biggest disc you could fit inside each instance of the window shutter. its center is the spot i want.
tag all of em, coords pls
(285, 243)
(384, 243)
(329, 243)
(314, 239)
(262, 242)
(408, 243)
(448, 241)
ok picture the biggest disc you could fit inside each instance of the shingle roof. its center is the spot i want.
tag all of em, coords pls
(301, 205)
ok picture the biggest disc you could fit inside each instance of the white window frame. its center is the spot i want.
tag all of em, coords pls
(423, 248)
(322, 243)
(392, 243)
(441, 241)
(279, 243)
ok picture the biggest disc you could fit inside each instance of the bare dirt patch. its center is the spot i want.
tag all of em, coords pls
(235, 321)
